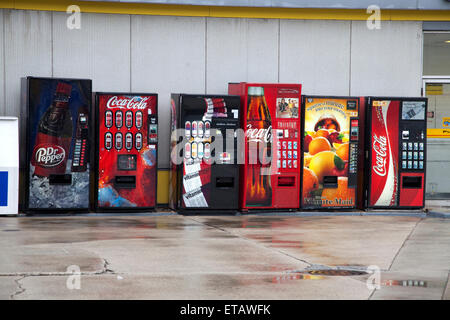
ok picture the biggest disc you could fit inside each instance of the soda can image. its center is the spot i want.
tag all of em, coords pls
(129, 141)
(295, 164)
(108, 119)
(138, 141)
(187, 129)
(108, 141)
(187, 150)
(289, 164)
(194, 128)
(119, 119)
(200, 129)
(194, 150)
(207, 129)
(138, 119)
(129, 119)
(119, 141)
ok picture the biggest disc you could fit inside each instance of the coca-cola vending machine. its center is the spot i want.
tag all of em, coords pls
(204, 171)
(58, 140)
(127, 145)
(270, 176)
(396, 152)
(331, 142)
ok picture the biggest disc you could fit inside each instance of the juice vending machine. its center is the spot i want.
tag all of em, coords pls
(57, 157)
(204, 171)
(396, 152)
(270, 174)
(127, 145)
(331, 142)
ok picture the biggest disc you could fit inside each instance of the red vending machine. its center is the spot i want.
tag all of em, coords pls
(396, 152)
(270, 174)
(127, 141)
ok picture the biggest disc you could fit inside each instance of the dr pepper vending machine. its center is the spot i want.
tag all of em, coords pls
(396, 152)
(270, 176)
(331, 142)
(204, 171)
(127, 141)
(58, 144)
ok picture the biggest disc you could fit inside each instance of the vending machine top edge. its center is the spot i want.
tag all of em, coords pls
(396, 152)
(270, 175)
(204, 172)
(331, 151)
(126, 151)
(56, 163)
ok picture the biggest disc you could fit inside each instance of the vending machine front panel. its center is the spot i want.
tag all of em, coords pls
(58, 144)
(126, 151)
(331, 139)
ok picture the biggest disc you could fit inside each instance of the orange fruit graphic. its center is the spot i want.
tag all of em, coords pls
(342, 151)
(323, 164)
(319, 144)
(341, 192)
(310, 182)
(322, 133)
(306, 159)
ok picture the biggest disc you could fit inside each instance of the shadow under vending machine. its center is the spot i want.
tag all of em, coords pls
(126, 149)
(204, 171)
(58, 144)
(270, 175)
(330, 153)
(396, 152)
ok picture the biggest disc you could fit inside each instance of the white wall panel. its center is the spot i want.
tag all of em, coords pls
(2, 64)
(387, 61)
(316, 54)
(27, 51)
(99, 50)
(240, 50)
(167, 56)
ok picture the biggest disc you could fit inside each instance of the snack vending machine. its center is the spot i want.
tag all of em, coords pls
(396, 152)
(331, 141)
(270, 176)
(127, 145)
(204, 171)
(57, 157)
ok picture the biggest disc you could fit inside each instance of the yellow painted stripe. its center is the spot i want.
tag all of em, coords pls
(163, 187)
(438, 133)
(224, 11)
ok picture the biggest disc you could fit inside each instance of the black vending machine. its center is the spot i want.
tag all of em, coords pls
(204, 171)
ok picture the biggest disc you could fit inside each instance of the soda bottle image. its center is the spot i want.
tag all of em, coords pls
(54, 135)
(259, 143)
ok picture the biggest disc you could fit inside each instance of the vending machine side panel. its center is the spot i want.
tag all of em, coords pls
(361, 154)
(174, 192)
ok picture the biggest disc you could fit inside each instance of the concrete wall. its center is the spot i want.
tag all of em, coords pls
(201, 55)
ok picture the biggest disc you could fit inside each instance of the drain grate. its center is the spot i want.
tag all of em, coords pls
(337, 271)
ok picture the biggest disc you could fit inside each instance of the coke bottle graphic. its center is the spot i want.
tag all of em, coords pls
(259, 140)
(54, 135)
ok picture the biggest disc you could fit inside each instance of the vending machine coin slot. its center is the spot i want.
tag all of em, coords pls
(225, 182)
(125, 182)
(80, 154)
(286, 181)
(60, 179)
(330, 181)
(412, 182)
(126, 162)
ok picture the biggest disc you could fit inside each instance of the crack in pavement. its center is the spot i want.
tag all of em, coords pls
(19, 290)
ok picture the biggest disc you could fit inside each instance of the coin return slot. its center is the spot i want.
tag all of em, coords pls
(286, 181)
(224, 182)
(60, 179)
(125, 182)
(330, 181)
(412, 182)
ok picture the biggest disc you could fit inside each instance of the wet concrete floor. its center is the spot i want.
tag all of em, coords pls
(224, 257)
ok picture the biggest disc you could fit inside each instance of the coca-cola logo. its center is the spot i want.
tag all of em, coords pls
(380, 148)
(258, 135)
(127, 103)
(49, 156)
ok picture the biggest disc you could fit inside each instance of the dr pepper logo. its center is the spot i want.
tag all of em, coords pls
(116, 102)
(48, 156)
